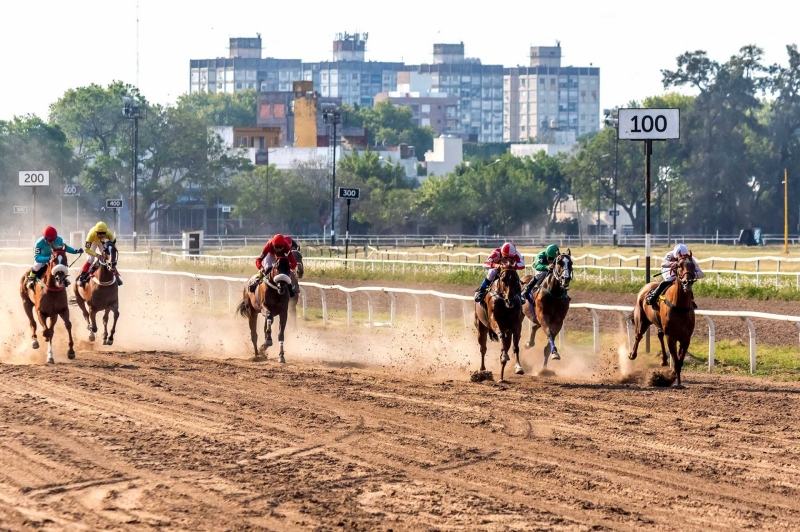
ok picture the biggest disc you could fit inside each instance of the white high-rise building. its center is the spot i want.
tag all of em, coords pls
(546, 98)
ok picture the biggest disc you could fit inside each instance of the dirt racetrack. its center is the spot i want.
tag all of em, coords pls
(139, 440)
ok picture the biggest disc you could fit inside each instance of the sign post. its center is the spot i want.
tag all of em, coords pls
(648, 125)
(68, 192)
(33, 179)
(348, 194)
(115, 205)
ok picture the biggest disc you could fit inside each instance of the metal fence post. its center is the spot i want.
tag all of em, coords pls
(596, 330)
(392, 310)
(324, 307)
(369, 308)
(441, 312)
(349, 308)
(417, 308)
(711, 343)
(752, 330)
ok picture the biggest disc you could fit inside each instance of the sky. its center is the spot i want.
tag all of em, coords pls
(48, 47)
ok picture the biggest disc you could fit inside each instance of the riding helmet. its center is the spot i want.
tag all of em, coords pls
(551, 251)
(508, 250)
(101, 227)
(50, 233)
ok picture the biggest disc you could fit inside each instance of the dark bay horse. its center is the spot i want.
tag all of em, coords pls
(673, 317)
(101, 293)
(550, 304)
(48, 298)
(271, 298)
(298, 257)
(502, 316)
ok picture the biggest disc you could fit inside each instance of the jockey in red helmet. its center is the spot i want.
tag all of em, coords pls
(42, 251)
(279, 246)
(493, 262)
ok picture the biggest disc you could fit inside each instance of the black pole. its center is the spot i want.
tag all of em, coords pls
(347, 234)
(333, 183)
(669, 213)
(135, 177)
(616, 163)
(648, 151)
(266, 201)
(33, 218)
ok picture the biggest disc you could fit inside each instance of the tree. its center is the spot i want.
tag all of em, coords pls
(391, 125)
(222, 109)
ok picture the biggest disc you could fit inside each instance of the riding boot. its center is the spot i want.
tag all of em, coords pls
(532, 284)
(256, 282)
(31, 280)
(652, 297)
(481, 293)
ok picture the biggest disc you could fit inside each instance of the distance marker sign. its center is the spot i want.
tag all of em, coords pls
(113, 204)
(349, 193)
(649, 124)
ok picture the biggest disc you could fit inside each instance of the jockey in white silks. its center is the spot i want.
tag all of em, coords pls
(668, 272)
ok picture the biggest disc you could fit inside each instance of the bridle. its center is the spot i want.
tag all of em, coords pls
(563, 270)
(687, 279)
(513, 300)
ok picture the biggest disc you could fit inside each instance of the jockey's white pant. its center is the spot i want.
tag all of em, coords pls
(38, 266)
(491, 274)
(540, 275)
(97, 248)
(269, 261)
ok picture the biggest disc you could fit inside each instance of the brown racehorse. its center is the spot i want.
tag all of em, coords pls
(271, 298)
(502, 316)
(673, 317)
(299, 275)
(101, 293)
(49, 298)
(551, 305)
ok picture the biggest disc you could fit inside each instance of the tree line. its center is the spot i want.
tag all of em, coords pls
(740, 127)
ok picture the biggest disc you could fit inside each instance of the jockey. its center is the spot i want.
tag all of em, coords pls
(42, 251)
(544, 264)
(279, 246)
(491, 264)
(98, 237)
(668, 266)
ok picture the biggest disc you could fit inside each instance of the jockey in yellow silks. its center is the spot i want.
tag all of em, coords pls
(99, 236)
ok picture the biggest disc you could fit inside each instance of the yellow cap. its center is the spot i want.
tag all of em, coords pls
(101, 227)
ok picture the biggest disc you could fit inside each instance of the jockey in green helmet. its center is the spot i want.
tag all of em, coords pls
(544, 263)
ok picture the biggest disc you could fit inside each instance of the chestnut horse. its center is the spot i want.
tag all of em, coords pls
(548, 306)
(49, 297)
(293, 301)
(101, 293)
(673, 316)
(502, 316)
(271, 298)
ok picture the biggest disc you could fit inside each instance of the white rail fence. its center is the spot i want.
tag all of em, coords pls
(194, 281)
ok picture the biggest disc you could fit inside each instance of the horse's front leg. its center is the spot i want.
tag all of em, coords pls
(283, 316)
(640, 324)
(48, 335)
(28, 306)
(267, 332)
(92, 323)
(68, 326)
(115, 311)
(253, 323)
(664, 361)
(506, 345)
(515, 343)
(483, 332)
(105, 326)
(551, 340)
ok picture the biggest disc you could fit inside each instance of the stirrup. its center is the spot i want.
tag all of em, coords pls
(119, 281)
(480, 295)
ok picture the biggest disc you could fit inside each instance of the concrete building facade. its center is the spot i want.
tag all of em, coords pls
(546, 98)
(447, 154)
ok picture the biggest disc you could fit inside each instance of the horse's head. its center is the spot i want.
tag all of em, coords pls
(110, 256)
(562, 269)
(299, 260)
(58, 268)
(283, 276)
(687, 272)
(508, 283)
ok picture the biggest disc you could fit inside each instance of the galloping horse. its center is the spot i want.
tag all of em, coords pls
(674, 316)
(49, 299)
(101, 293)
(502, 315)
(548, 307)
(270, 298)
(293, 301)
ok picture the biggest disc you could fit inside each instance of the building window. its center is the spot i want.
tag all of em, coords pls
(238, 85)
(243, 142)
(521, 82)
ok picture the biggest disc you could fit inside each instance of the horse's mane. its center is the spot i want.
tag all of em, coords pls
(282, 265)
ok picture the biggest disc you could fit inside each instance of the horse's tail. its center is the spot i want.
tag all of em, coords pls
(244, 308)
(493, 336)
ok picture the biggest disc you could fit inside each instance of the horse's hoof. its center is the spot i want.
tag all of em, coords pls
(504, 357)
(71, 355)
(35, 344)
(50, 360)
(110, 341)
(91, 337)
(518, 370)
(632, 356)
(555, 356)
(105, 341)
(281, 359)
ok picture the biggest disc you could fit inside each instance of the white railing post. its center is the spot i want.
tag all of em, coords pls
(465, 311)
(369, 308)
(752, 330)
(324, 307)
(210, 293)
(441, 313)
(417, 308)
(230, 295)
(349, 309)
(392, 309)
(797, 324)
(596, 330)
(711, 343)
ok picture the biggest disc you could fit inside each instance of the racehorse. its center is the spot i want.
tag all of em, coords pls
(298, 257)
(49, 299)
(549, 305)
(271, 298)
(101, 293)
(673, 317)
(502, 316)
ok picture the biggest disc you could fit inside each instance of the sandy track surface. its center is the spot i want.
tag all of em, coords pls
(128, 441)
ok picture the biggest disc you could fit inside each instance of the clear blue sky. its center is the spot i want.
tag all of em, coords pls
(50, 46)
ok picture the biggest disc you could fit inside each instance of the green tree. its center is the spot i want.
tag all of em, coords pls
(222, 109)
(391, 125)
